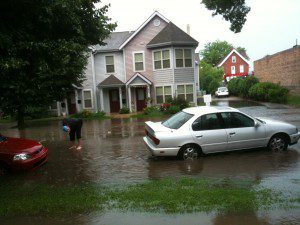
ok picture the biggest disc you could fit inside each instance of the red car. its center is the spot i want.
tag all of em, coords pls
(21, 154)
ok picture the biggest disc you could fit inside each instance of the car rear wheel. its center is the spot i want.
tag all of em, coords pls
(189, 152)
(278, 143)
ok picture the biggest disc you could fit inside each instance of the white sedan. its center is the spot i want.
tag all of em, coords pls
(201, 130)
(222, 91)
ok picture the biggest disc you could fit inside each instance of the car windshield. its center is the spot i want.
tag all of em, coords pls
(222, 89)
(176, 121)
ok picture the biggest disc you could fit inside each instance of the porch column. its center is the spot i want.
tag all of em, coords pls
(66, 107)
(129, 98)
(58, 109)
(120, 96)
(148, 95)
(101, 99)
(76, 100)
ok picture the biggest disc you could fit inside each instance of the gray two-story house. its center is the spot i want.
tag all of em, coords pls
(135, 69)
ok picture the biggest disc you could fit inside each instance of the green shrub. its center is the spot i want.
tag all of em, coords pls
(151, 109)
(182, 103)
(173, 109)
(232, 84)
(241, 86)
(37, 112)
(249, 82)
(86, 114)
(124, 110)
(267, 91)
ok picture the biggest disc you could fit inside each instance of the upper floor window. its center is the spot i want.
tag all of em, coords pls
(241, 68)
(233, 70)
(87, 99)
(183, 57)
(233, 59)
(185, 91)
(110, 65)
(162, 59)
(139, 61)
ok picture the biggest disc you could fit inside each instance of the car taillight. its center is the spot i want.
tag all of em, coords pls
(155, 140)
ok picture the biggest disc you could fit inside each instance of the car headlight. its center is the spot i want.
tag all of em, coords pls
(21, 157)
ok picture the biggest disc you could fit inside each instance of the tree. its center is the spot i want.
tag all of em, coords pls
(214, 52)
(234, 11)
(210, 77)
(44, 46)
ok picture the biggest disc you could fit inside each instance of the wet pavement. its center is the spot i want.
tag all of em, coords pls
(113, 152)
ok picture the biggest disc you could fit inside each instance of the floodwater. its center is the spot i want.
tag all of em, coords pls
(113, 152)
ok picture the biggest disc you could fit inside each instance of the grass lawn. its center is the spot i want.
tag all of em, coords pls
(155, 114)
(165, 196)
(294, 100)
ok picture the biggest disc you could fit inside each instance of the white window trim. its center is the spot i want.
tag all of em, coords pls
(113, 64)
(133, 60)
(163, 86)
(91, 91)
(232, 70)
(242, 66)
(161, 50)
(233, 57)
(194, 92)
(193, 57)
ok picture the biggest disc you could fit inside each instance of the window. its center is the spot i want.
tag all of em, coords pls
(233, 59)
(139, 61)
(207, 122)
(176, 121)
(183, 58)
(233, 70)
(241, 68)
(87, 99)
(162, 59)
(163, 94)
(110, 66)
(185, 91)
(235, 120)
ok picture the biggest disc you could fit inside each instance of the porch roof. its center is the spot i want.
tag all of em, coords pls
(111, 81)
(138, 79)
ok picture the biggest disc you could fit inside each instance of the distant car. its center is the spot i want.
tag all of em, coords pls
(201, 130)
(21, 154)
(221, 92)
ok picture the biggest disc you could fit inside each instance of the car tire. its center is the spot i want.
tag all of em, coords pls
(189, 152)
(278, 143)
(4, 169)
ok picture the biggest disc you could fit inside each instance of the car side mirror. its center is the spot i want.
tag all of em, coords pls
(256, 123)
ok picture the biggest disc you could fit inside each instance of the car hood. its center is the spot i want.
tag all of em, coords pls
(19, 145)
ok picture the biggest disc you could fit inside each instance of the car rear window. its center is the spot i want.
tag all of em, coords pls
(176, 121)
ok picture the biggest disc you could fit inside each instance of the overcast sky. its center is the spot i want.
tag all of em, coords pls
(271, 26)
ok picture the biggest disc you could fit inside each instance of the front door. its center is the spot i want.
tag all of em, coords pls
(114, 100)
(140, 99)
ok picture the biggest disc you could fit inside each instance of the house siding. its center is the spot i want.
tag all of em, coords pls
(137, 44)
(184, 75)
(163, 76)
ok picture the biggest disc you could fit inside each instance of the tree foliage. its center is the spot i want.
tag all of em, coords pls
(210, 77)
(214, 52)
(234, 11)
(44, 46)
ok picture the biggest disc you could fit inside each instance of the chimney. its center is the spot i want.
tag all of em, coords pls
(188, 29)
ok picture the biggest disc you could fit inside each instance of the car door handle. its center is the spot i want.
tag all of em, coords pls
(232, 133)
(199, 136)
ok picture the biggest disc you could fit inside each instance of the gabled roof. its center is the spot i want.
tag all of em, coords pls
(136, 76)
(142, 26)
(113, 42)
(172, 35)
(236, 52)
(111, 81)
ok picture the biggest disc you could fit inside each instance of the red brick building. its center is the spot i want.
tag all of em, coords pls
(235, 65)
(282, 68)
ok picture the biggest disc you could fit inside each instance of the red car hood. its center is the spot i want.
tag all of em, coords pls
(19, 145)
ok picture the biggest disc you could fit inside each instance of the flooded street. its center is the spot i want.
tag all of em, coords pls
(113, 153)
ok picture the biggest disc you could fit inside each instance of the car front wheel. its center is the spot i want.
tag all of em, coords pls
(278, 144)
(189, 152)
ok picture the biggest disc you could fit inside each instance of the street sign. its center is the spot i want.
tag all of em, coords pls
(207, 99)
